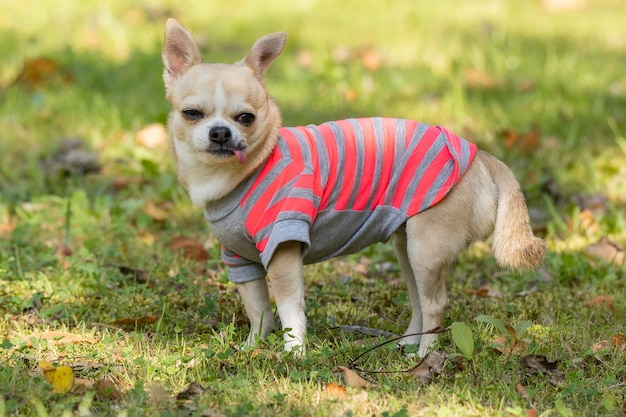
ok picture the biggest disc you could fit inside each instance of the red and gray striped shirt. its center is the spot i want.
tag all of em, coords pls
(337, 188)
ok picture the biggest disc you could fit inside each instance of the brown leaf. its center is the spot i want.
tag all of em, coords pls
(63, 251)
(484, 292)
(81, 385)
(58, 338)
(191, 248)
(305, 58)
(618, 340)
(353, 379)
(335, 390)
(350, 95)
(539, 364)
(157, 211)
(521, 390)
(106, 390)
(600, 301)
(534, 365)
(526, 143)
(481, 292)
(371, 59)
(510, 345)
(532, 412)
(193, 390)
(601, 345)
(607, 250)
(141, 320)
(123, 182)
(7, 227)
(429, 367)
(140, 275)
(41, 70)
(478, 78)
(152, 136)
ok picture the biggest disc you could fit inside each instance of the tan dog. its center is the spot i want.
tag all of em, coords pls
(228, 144)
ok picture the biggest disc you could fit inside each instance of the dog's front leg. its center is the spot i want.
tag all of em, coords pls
(256, 301)
(285, 273)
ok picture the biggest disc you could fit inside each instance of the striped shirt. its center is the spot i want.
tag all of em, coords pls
(337, 188)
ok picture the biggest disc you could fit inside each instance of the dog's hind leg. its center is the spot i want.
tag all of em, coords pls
(415, 326)
(429, 257)
(437, 235)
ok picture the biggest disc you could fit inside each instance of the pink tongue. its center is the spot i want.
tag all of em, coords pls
(241, 155)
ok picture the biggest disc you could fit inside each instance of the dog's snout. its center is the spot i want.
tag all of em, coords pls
(220, 134)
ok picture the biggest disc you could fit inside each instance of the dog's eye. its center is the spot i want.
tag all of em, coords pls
(245, 119)
(192, 114)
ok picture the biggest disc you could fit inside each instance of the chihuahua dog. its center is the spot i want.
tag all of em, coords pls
(277, 198)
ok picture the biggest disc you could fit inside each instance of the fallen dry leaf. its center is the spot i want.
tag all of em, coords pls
(600, 346)
(537, 364)
(193, 390)
(191, 248)
(305, 58)
(478, 78)
(607, 250)
(526, 143)
(156, 211)
(123, 182)
(510, 345)
(350, 95)
(63, 251)
(140, 275)
(38, 71)
(141, 320)
(152, 136)
(521, 390)
(7, 227)
(371, 59)
(429, 367)
(600, 301)
(618, 340)
(106, 390)
(532, 412)
(58, 338)
(354, 380)
(484, 292)
(335, 390)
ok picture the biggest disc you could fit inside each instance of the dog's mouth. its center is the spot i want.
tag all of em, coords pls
(227, 152)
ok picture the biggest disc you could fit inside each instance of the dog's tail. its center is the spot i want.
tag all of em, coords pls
(514, 245)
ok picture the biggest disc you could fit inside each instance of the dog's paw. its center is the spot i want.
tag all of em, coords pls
(294, 344)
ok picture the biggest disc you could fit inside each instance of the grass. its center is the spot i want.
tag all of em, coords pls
(542, 90)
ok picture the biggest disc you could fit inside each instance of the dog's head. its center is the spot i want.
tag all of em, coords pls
(221, 113)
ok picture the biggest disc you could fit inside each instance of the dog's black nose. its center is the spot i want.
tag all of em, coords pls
(220, 134)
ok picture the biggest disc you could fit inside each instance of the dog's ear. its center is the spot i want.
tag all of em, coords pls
(264, 52)
(180, 52)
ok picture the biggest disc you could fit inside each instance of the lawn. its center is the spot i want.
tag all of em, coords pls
(111, 277)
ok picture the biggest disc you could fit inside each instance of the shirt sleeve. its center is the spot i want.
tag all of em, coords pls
(240, 269)
(285, 211)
